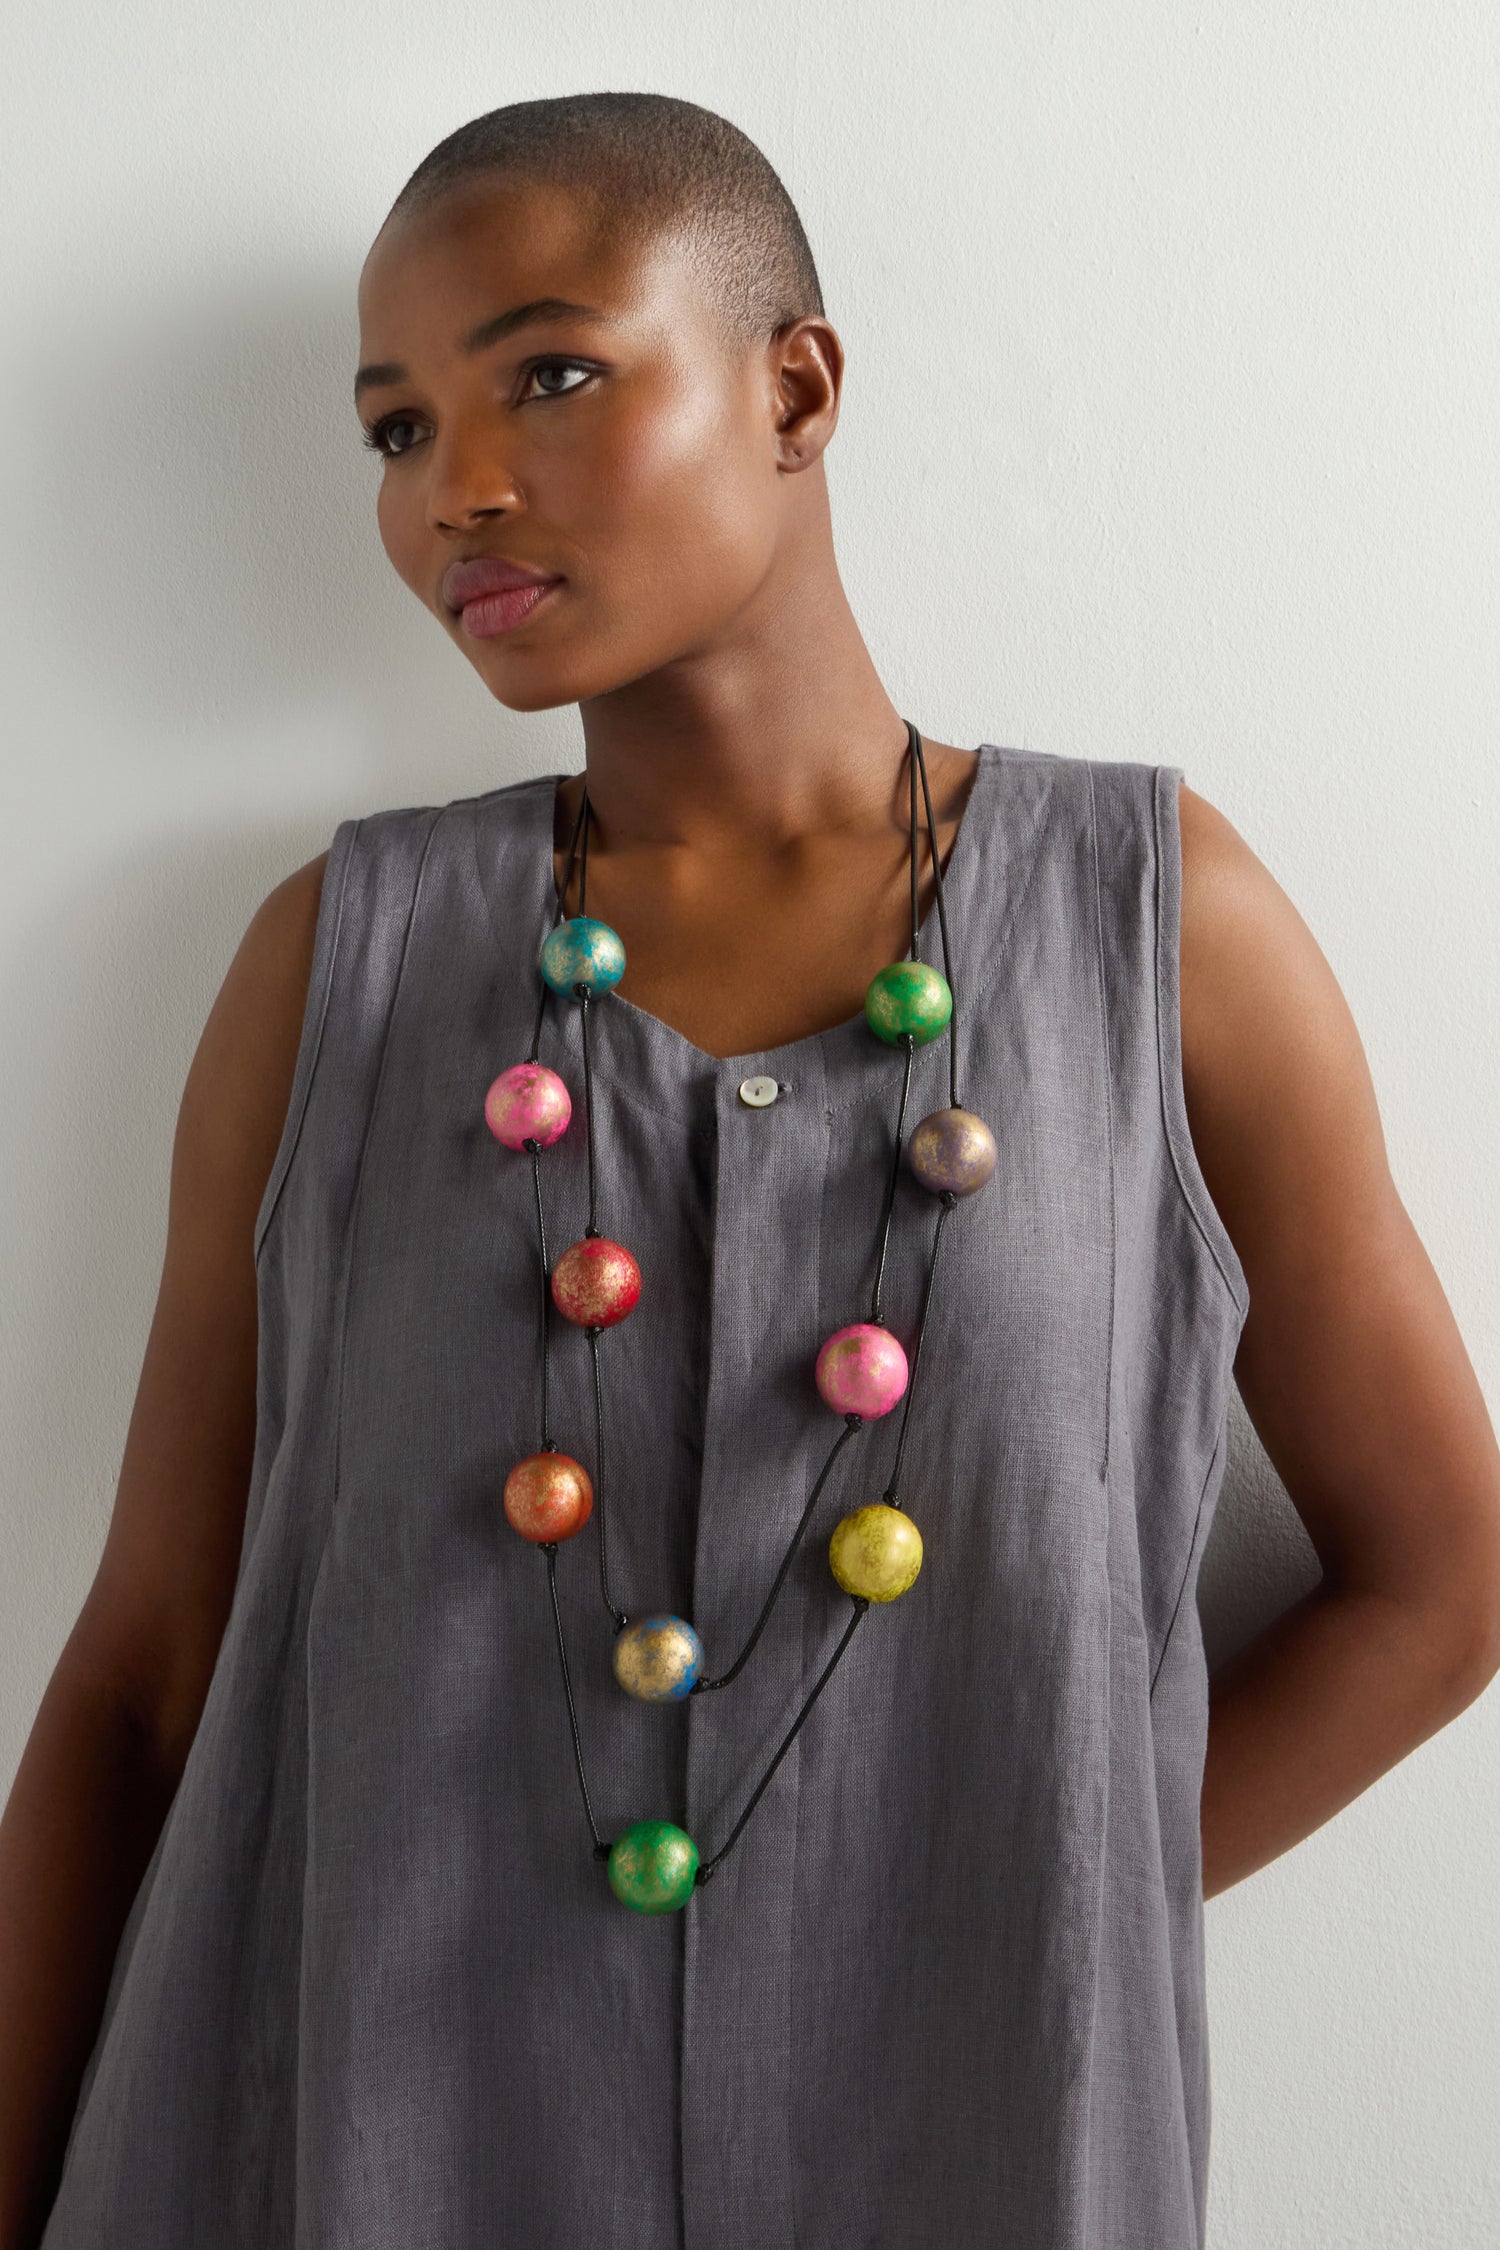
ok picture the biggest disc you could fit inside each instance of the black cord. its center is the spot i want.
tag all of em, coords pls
(851, 1423)
(549, 1549)
(561, 892)
(709, 1867)
(937, 876)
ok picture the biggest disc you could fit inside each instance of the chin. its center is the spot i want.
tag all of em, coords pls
(541, 691)
(542, 685)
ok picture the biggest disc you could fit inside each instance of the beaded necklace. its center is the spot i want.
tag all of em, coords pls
(861, 1370)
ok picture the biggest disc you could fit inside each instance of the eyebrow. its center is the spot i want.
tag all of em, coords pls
(488, 332)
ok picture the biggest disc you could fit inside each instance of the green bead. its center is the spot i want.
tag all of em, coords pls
(582, 951)
(908, 996)
(653, 1867)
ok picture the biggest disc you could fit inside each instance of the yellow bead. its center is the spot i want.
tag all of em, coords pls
(876, 1552)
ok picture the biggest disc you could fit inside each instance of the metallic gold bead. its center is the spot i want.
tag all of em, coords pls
(657, 1659)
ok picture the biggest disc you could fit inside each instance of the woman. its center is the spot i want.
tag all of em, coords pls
(318, 1868)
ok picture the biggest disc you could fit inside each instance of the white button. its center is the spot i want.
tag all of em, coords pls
(759, 1092)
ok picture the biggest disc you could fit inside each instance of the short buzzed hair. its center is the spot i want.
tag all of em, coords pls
(651, 165)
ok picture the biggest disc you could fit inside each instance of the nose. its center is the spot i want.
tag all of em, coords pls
(469, 478)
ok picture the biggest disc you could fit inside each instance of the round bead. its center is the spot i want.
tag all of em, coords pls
(582, 951)
(657, 1659)
(876, 1552)
(908, 996)
(548, 1496)
(528, 1102)
(952, 1152)
(653, 1867)
(595, 1282)
(861, 1370)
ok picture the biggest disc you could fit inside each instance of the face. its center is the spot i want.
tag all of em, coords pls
(622, 454)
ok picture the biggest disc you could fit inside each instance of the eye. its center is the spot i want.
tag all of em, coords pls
(378, 437)
(544, 366)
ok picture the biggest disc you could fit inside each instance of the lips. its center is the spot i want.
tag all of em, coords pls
(487, 574)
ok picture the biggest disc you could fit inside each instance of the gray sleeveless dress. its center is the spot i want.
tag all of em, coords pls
(375, 1992)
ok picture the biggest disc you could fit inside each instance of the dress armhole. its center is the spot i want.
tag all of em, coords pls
(1185, 1164)
(314, 1016)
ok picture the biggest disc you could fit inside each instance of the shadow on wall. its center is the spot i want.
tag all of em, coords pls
(1258, 1559)
(195, 581)
(201, 538)
(128, 959)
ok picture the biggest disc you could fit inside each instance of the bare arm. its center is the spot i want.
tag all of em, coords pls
(119, 1714)
(1351, 1368)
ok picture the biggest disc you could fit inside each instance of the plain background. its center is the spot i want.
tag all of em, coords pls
(1169, 433)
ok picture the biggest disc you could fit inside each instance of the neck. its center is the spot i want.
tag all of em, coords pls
(782, 727)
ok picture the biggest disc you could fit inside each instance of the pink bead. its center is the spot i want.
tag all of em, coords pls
(528, 1102)
(861, 1370)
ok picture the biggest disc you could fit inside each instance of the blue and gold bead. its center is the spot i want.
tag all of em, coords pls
(582, 951)
(658, 1659)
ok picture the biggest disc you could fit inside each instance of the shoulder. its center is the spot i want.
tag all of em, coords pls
(1279, 1093)
(1254, 980)
(275, 954)
(239, 1083)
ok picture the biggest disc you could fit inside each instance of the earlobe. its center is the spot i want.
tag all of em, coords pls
(810, 363)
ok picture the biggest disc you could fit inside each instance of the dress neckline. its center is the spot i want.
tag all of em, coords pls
(642, 1053)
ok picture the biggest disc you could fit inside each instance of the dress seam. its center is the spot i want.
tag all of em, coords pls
(1167, 986)
(310, 1048)
(333, 1506)
(1166, 1639)
(1109, 1119)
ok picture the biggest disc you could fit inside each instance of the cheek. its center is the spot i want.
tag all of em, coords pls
(679, 518)
(404, 533)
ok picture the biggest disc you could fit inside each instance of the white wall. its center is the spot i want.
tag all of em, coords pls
(1169, 434)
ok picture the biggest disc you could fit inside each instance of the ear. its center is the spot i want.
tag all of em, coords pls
(805, 367)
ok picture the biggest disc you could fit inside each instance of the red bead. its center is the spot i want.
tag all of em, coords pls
(595, 1282)
(548, 1496)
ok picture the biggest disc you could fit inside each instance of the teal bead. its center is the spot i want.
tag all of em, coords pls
(582, 951)
(653, 1867)
(908, 996)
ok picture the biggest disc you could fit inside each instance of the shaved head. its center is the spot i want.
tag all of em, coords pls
(645, 166)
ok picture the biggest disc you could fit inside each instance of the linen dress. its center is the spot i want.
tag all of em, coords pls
(375, 1992)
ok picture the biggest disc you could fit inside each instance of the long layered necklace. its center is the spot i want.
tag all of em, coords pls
(862, 1371)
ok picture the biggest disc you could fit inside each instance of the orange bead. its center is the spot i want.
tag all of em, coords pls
(548, 1496)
